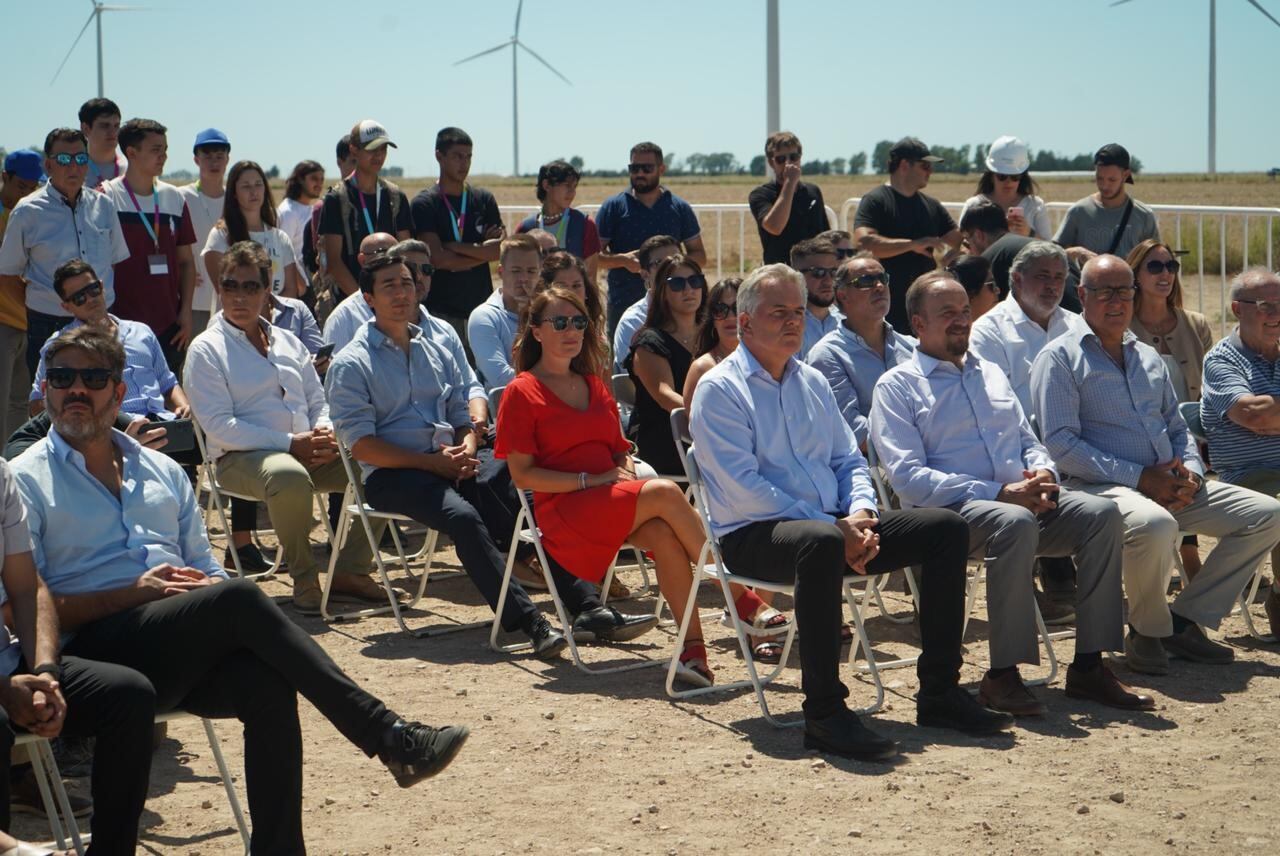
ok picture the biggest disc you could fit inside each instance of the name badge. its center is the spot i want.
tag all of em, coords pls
(158, 264)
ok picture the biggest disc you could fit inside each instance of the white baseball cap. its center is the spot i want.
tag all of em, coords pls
(1008, 156)
(370, 135)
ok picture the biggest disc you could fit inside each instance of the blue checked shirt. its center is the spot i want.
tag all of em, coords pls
(852, 367)
(947, 435)
(1231, 371)
(291, 314)
(1104, 424)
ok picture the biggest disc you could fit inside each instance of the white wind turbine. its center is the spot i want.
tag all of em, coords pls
(516, 46)
(1213, 73)
(94, 16)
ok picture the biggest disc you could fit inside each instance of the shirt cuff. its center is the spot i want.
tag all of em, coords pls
(987, 490)
(864, 505)
(1128, 474)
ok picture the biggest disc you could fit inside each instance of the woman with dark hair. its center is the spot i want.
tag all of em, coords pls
(249, 214)
(566, 270)
(302, 192)
(574, 231)
(718, 335)
(558, 431)
(974, 273)
(1007, 182)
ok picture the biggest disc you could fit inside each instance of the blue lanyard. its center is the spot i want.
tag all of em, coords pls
(364, 209)
(457, 221)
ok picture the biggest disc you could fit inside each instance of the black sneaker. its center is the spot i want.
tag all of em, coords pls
(606, 624)
(24, 798)
(413, 751)
(959, 711)
(547, 641)
(844, 734)
(251, 559)
(74, 755)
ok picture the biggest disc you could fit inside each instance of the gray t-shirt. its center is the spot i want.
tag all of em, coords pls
(1093, 227)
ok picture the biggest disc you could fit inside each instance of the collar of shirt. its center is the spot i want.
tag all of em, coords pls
(64, 451)
(893, 340)
(927, 364)
(1234, 340)
(236, 333)
(378, 339)
(746, 365)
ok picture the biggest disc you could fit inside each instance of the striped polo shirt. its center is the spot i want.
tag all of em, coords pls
(1233, 370)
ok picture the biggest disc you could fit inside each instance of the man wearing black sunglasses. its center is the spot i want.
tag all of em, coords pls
(627, 219)
(787, 210)
(816, 259)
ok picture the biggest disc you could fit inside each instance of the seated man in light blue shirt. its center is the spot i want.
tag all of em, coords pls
(951, 434)
(790, 499)
(817, 261)
(1109, 417)
(491, 328)
(289, 313)
(864, 346)
(651, 253)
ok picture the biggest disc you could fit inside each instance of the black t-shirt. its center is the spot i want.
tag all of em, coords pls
(356, 226)
(808, 218)
(650, 426)
(456, 293)
(1001, 255)
(893, 215)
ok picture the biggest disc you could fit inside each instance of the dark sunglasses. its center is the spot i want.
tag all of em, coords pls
(793, 157)
(1155, 267)
(845, 253)
(420, 269)
(1000, 176)
(680, 283)
(819, 272)
(560, 323)
(61, 377)
(868, 281)
(249, 287)
(646, 168)
(85, 294)
(721, 311)
(64, 159)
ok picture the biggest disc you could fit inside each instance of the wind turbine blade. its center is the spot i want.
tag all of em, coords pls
(1121, 2)
(484, 53)
(126, 8)
(519, 9)
(1255, 4)
(73, 47)
(531, 53)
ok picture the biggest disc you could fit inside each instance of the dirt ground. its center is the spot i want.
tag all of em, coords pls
(563, 762)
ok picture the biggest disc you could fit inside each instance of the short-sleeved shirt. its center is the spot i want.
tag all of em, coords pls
(625, 223)
(1233, 370)
(151, 298)
(100, 173)
(13, 309)
(275, 241)
(378, 206)
(205, 213)
(650, 424)
(893, 215)
(14, 538)
(808, 218)
(1088, 224)
(575, 232)
(455, 293)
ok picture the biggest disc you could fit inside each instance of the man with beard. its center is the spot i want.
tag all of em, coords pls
(1109, 221)
(951, 434)
(816, 259)
(854, 355)
(119, 541)
(491, 329)
(627, 219)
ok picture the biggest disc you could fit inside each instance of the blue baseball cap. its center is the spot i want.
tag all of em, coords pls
(211, 137)
(25, 164)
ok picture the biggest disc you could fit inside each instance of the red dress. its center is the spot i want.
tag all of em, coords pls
(582, 530)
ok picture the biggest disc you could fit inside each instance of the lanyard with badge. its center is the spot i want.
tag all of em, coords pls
(456, 220)
(158, 263)
(560, 226)
(364, 209)
(102, 178)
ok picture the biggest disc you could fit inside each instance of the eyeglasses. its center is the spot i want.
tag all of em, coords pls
(1266, 307)
(680, 283)
(560, 323)
(793, 157)
(868, 281)
(1000, 176)
(61, 377)
(843, 254)
(64, 159)
(90, 291)
(819, 272)
(1124, 292)
(1155, 267)
(249, 287)
(420, 268)
(721, 311)
(646, 168)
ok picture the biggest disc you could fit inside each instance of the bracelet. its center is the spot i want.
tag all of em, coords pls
(48, 668)
(582, 481)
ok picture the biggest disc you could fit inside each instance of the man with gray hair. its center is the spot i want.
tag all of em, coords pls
(790, 500)
(985, 227)
(1109, 417)
(1240, 401)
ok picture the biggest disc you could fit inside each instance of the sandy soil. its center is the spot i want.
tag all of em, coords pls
(563, 762)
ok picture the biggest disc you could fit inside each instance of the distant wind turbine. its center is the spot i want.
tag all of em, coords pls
(94, 16)
(516, 46)
(1213, 73)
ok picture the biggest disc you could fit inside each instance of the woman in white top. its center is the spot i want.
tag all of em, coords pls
(249, 214)
(302, 191)
(1007, 183)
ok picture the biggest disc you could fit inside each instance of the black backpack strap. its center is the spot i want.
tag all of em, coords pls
(1124, 222)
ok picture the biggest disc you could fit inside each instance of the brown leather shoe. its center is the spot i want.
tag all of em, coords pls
(1272, 606)
(1009, 694)
(1102, 686)
(361, 588)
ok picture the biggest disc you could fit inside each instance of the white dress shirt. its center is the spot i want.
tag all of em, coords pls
(1007, 337)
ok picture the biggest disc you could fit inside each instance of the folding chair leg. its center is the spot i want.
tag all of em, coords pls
(1047, 641)
(1246, 598)
(215, 746)
(861, 640)
(53, 795)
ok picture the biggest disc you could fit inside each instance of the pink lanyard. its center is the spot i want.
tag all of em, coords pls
(155, 198)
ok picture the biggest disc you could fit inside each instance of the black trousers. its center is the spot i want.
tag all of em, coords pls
(227, 651)
(117, 705)
(810, 553)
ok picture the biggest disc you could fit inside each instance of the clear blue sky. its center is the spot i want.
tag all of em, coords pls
(285, 78)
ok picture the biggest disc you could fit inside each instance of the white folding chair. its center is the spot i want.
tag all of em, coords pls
(624, 390)
(215, 748)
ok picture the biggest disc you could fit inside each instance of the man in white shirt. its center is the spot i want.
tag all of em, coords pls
(491, 329)
(211, 153)
(269, 428)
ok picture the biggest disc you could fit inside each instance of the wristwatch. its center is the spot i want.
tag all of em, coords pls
(52, 669)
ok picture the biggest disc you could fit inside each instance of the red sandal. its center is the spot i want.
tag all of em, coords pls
(692, 667)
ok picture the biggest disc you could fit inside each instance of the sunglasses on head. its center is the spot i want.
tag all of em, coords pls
(721, 311)
(819, 272)
(90, 291)
(793, 157)
(868, 281)
(249, 287)
(680, 283)
(1156, 267)
(560, 323)
(646, 168)
(64, 159)
(61, 377)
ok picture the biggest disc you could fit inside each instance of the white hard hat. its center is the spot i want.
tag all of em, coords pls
(1008, 156)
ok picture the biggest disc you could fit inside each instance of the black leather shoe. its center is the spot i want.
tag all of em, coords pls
(413, 751)
(959, 711)
(606, 624)
(844, 734)
(547, 641)
(251, 559)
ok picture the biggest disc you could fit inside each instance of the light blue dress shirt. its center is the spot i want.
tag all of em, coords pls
(628, 325)
(147, 378)
(1104, 424)
(292, 314)
(852, 367)
(491, 332)
(815, 328)
(88, 540)
(415, 402)
(946, 436)
(774, 451)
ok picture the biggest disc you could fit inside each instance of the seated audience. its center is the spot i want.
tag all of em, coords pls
(816, 259)
(791, 501)
(568, 271)
(718, 335)
(491, 328)
(974, 274)
(842, 241)
(651, 254)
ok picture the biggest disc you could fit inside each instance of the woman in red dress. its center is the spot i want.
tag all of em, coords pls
(559, 432)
